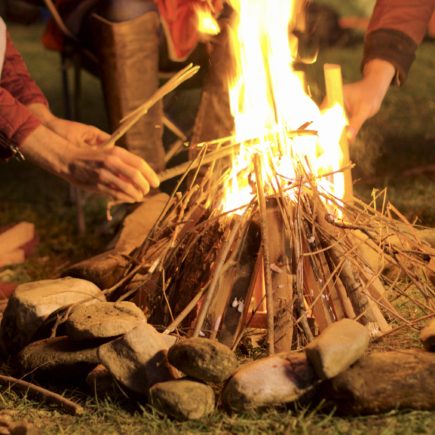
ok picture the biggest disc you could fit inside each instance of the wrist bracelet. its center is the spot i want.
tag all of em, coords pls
(9, 149)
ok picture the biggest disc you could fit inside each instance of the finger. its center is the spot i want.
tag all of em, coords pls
(129, 174)
(108, 178)
(95, 136)
(113, 193)
(140, 164)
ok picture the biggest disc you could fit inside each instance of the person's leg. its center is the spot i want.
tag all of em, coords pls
(126, 34)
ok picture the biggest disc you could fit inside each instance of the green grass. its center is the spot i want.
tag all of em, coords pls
(360, 8)
(399, 137)
(108, 417)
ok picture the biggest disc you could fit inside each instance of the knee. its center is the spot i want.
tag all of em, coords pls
(124, 10)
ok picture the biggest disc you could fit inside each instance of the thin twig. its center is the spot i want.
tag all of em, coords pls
(128, 121)
(266, 254)
(70, 406)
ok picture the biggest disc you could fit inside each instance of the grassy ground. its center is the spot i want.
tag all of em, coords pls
(399, 138)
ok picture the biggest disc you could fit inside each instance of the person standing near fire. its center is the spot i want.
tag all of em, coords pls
(68, 149)
(395, 30)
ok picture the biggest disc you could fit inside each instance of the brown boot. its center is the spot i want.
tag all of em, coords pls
(129, 54)
(214, 119)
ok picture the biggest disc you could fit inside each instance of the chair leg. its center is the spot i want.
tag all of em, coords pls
(65, 86)
(76, 107)
(80, 196)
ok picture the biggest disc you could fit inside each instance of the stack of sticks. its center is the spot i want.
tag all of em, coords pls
(292, 261)
(284, 262)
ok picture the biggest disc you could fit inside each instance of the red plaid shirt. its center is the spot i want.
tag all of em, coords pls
(17, 90)
(179, 21)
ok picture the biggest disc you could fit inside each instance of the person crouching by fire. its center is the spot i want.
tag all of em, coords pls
(133, 40)
(68, 149)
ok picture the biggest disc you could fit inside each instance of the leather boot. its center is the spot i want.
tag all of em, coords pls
(129, 55)
(214, 119)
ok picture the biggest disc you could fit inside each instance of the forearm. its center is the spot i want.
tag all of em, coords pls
(16, 120)
(46, 149)
(378, 75)
(15, 77)
(43, 113)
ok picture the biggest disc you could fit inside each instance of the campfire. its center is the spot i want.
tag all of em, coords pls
(266, 237)
(270, 235)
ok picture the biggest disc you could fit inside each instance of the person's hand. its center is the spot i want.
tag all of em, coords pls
(75, 132)
(112, 171)
(363, 99)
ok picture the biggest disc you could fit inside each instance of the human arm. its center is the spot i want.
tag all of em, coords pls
(395, 30)
(75, 132)
(62, 147)
(363, 99)
(112, 171)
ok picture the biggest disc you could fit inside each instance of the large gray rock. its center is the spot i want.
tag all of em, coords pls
(274, 380)
(58, 357)
(103, 320)
(204, 359)
(138, 359)
(34, 302)
(183, 399)
(340, 345)
(384, 381)
(427, 336)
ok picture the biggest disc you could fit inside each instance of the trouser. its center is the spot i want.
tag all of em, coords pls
(125, 36)
(214, 119)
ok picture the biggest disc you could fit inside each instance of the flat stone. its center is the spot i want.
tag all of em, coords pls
(107, 269)
(339, 346)
(137, 359)
(33, 302)
(385, 381)
(103, 320)
(137, 225)
(204, 359)
(274, 380)
(104, 270)
(58, 357)
(427, 336)
(183, 399)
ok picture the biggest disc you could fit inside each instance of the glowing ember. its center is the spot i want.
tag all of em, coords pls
(268, 101)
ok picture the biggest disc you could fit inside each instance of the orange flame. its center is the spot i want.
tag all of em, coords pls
(206, 22)
(268, 100)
